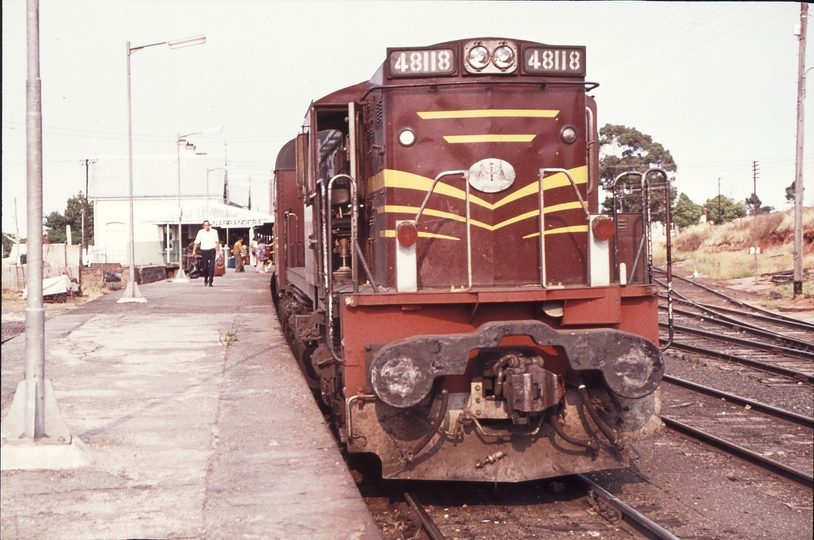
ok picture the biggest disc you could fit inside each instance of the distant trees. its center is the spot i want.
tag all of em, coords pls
(55, 222)
(722, 209)
(686, 213)
(624, 149)
(754, 205)
(790, 193)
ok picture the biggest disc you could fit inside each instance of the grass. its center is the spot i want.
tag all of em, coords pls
(721, 252)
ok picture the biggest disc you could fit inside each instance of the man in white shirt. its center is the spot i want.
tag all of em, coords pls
(209, 242)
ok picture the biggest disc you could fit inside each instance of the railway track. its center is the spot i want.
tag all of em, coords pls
(750, 336)
(722, 331)
(542, 509)
(773, 438)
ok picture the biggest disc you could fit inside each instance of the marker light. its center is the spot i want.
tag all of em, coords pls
(406, 137)
(407, 233)
(568, 134)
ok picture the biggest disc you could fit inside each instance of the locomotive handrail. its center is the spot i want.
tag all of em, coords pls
(667, 247)
(591, 142)
(367, 270)
(327, 260)
(286, 254)
(465, 174)
(616, 269)
(587, 84)
(543, 172)
(573, 185)
(647, 236)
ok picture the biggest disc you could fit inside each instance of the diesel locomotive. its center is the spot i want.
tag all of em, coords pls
(445, 278)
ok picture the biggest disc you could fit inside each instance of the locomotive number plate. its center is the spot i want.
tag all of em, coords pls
(421, 62)
(569, 61)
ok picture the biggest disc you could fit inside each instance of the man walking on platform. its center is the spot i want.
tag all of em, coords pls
(237, 251)
(209, 243)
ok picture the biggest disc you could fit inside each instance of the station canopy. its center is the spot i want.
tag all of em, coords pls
(219, 215)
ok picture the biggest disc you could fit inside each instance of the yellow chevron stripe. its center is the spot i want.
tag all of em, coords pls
(489, 137)
(401, 179)
(561, 230)
(489, 113)
(391, 233)
(413, 210)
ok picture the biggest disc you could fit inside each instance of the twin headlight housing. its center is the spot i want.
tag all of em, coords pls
(490, 56)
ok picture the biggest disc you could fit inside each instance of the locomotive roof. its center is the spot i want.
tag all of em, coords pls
(354, 92)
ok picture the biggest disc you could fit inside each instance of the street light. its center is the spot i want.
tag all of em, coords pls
(181, 277)
(224, 168)
(131, 293)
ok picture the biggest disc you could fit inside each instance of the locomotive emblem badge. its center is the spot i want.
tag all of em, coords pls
(491, 175)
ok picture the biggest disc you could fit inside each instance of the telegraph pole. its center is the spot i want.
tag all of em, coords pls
(755, 173)
(798, 181)
(720, 218)
(87, 163)
(756, 249)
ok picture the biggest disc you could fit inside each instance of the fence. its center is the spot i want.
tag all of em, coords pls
(57, 260)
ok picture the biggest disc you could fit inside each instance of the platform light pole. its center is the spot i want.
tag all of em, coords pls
(221, 168)
(131, 293)
(34, 434)
(181, 277)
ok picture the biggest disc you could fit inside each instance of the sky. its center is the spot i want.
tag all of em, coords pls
(713, 82)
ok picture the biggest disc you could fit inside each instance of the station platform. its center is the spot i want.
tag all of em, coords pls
(198, 420)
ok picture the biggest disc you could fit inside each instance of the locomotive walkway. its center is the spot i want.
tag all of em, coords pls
(198, 419)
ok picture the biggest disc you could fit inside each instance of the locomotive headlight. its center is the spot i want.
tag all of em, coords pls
(406, 137)
(503, 57)
(478, 57)
(568, 134)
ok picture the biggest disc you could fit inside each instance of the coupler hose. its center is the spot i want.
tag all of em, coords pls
(442, 412)
(585, 443)
(603, 427)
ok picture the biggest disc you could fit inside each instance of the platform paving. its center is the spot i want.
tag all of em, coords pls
(199, 422)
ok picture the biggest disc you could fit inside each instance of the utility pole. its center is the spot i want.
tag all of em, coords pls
(720, 218)
(798, 180)
(755, 173)
(85, 209)
(756, 249)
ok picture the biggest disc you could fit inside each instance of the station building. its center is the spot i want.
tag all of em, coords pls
(168, 194)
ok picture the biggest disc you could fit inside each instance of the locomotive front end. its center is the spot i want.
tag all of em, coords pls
(496, 327)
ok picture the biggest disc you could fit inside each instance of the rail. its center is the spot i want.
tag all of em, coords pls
(630, 515)
(796, 475)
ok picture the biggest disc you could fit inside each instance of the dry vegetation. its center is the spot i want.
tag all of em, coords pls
(721, 252)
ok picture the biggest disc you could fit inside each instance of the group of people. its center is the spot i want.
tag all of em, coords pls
(208, 242)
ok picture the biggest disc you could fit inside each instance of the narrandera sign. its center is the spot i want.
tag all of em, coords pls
(249, 222)
(236, 222)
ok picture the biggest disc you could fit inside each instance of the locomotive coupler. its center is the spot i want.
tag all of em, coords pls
(403, 372)
(522, 388)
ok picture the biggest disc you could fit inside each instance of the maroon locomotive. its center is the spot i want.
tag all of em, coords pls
(445, 279)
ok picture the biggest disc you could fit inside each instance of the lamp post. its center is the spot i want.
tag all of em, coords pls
(181, 277)
(131, 293)
(224, 168)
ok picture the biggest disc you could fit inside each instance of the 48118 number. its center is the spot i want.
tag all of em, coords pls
(411, 63)
(554, 61)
